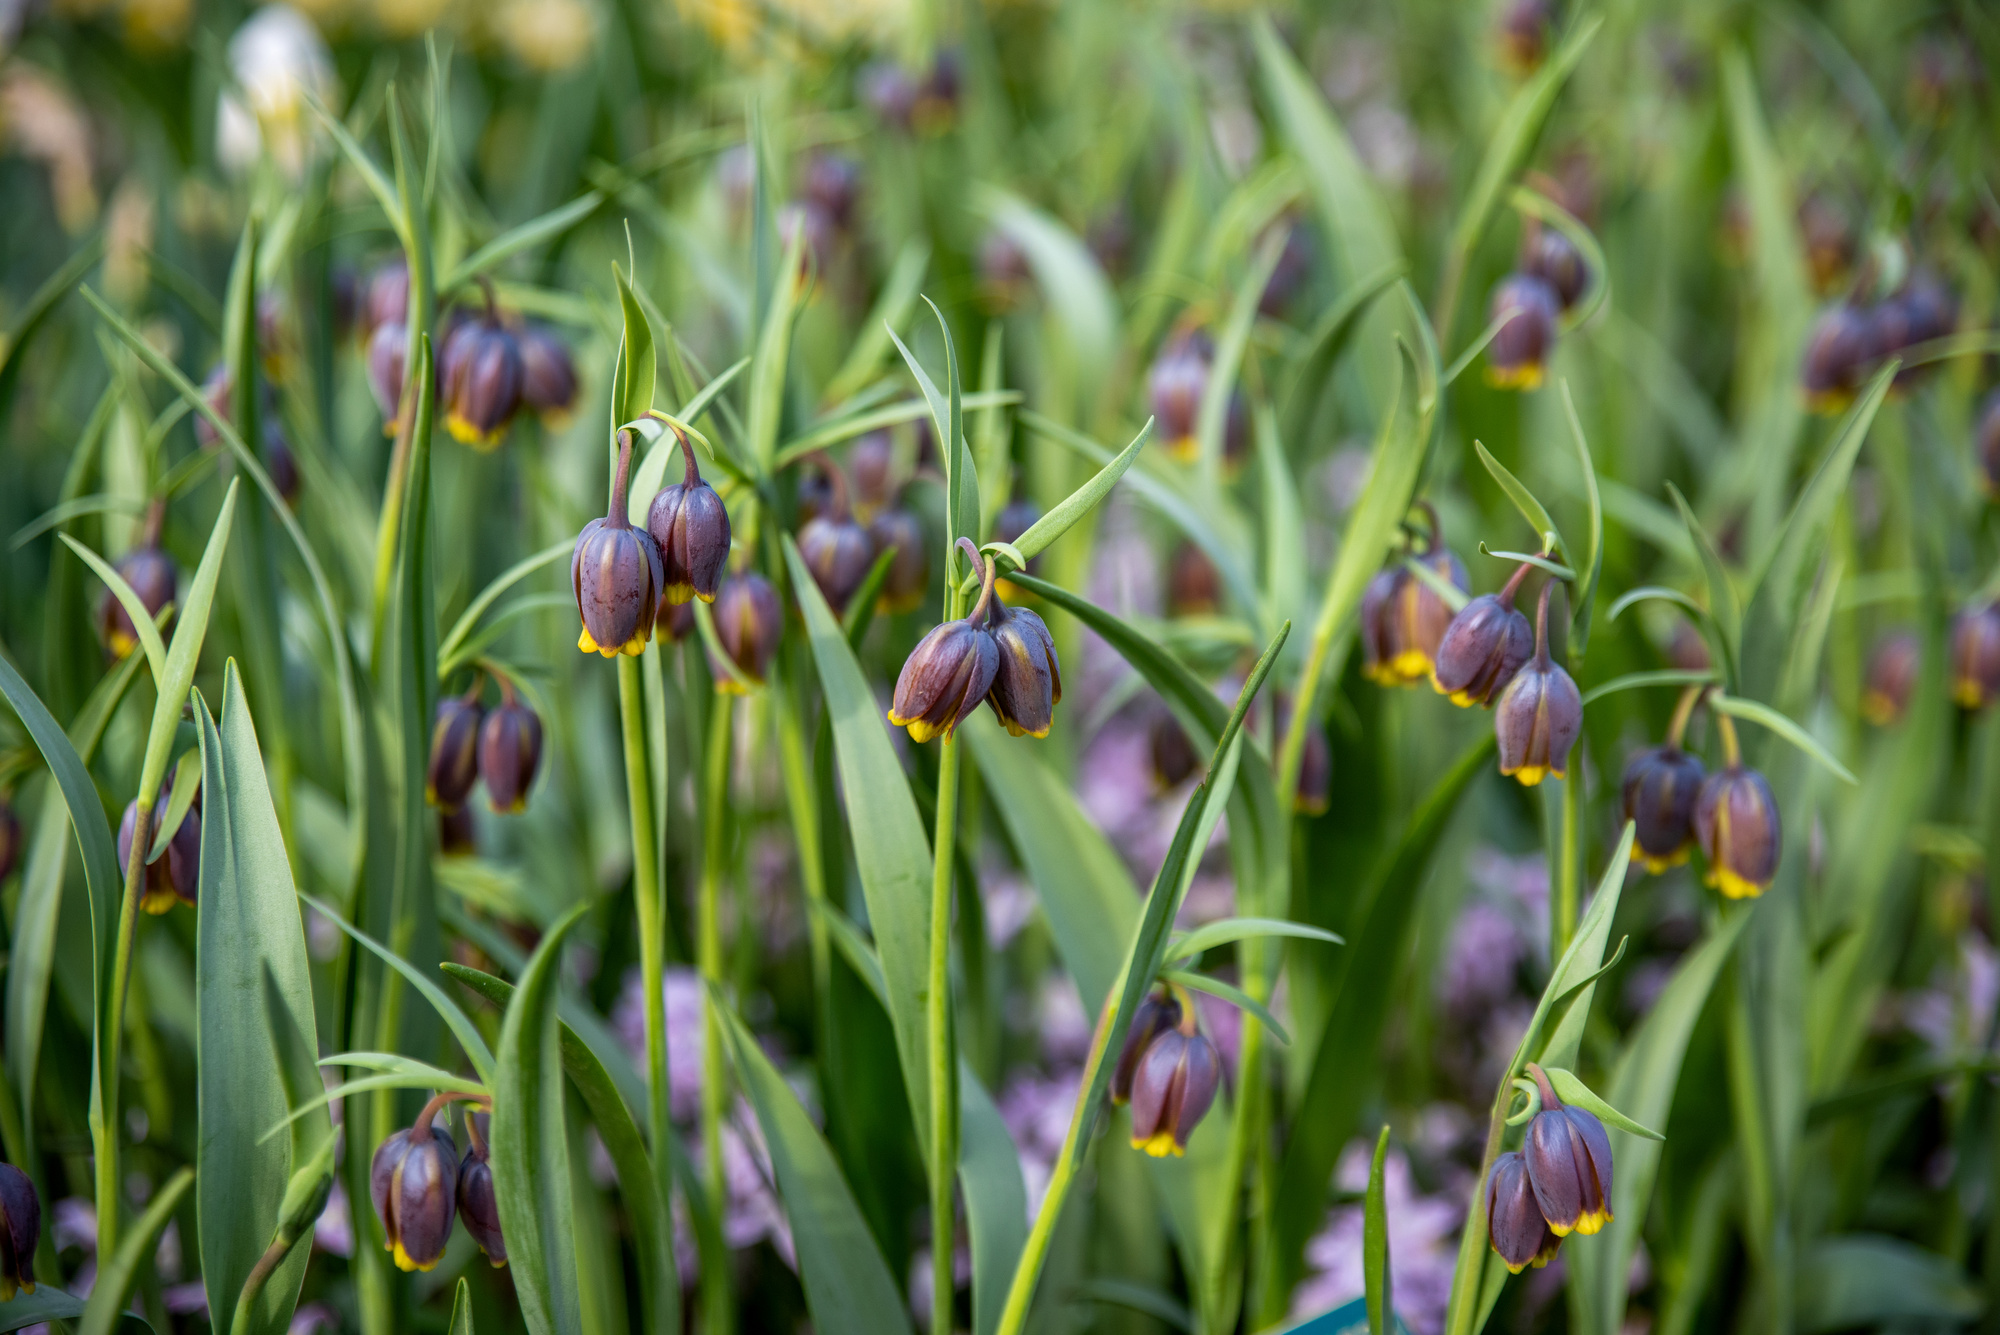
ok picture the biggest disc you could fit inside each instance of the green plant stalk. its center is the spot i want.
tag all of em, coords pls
(944, 1153)
(105, 1133)
(1567, 872)
(253, 1285)
(649, 905)
(715, 1295)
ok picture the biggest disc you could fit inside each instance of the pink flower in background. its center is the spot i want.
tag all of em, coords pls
(683, 1014)
(1423, 1245)
(1480, 960)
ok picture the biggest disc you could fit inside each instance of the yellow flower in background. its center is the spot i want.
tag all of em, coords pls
(546, 35)
(40, 121)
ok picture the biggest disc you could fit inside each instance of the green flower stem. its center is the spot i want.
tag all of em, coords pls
(113, 1034)
(253, 1285)
(944, 1151)
(1566, 880)
(648, 897)
(715, 1295)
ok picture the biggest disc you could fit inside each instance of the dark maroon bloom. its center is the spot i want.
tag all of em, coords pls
(150, 572)
(480, 377)
(898, 531)
(1514, 1222)
(1524, 31)
(1569, 1164)
(1175, 386)
(345, 297)
(1986, 442)
(454, 761)
(1838, 354)
(1315, 791)
(388, 363)
(1540, 714)
(690, 526)
(1378, 627)
(1174, 757)
(1294, 266)
(510, 750)
(1518, 355)
(1194, 585)
(1172, 1088)
(616, 575)
(1892, 675)
(833, 183)
(10, 837)
(413, 1180)
(457, 837)
(1829, 236)
(836, 549)
(1004, 271)
(871, 463)
(890, 91)
(1484, 646)
(1975, 656)
(674, 622)
(1552, 257)
(1027, 686)
(175, 876)
(814, 491)
(1157, 1013)
(388, 299)
(478, 1210)
(20, 1232)
(749, 620)
(548, 375)
(950, 671)
(1403, 620)
(1658, 791)
(280, 463)
(1736, 821)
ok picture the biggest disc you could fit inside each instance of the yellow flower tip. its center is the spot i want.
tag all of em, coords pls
(1592, 1221)
(554, 420)
(157, 902)
(122, 645)
(706, 597)
(633, 647)
(1560, 1230)
(1829, 402)
(1530, 776)
(404, 1261)
(500, 1264)
(1183, 449)
(1733, 886)
(1410, 665)
(1878, 709)
(465, 433)
(1159, 1145)
(390, 427)
(585, 643)
(731, 686)
(676, 594)
(1524, 377)
(1513, 1269)
(1966, 693)
(1657, 865)
(920, 729)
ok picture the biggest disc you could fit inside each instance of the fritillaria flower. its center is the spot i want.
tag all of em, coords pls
(454, 767)
(20, 1232)
(949, 672)
(478, 1209)
(690, 526)
(1484, 646)
(1569, 1163)
(510, 750)
(1517, 357)
(616, 574)
(413, 1180)
(1540, 714)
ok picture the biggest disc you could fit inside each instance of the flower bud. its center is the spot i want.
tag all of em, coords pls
(280, 463)
(414, 1182)
(1986, 443)
(10, 838)
(1552, 257)
(1524, 35)
(510, 749)
(174, 876)
(150, 572)
(548, 375)
(1157, 1013)
(1484, 646)
(1005, 276)
(20, 1232)
(480, 375)
(1517, 356)
(890, 91)
(837, 551)
(1315, 792)
(1293, 268)
(1194, 585)
(833, 183)
(1027, 685)
(1839, 352)
(749, 620)
(690, 526)
(1540, 714)
(898, 531)
(1172, 1087)
(1892, 675)
(1378, 627)
(457, 837)
(388, 363)
(454, 764)
(871, 464)
(1173, 755)
(1659, 791)
(615, 574)
(1514, 1223)
(949, 672)
(1175, 386)
(1569, 1164)
(388, 299)
(1736, 821)
(1686, 649)
(478, 1209)
(1975, 656)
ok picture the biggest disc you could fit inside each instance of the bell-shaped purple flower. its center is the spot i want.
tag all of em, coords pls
(690, 525)
(1484, 646)
(510, 750)
(616, 575)
(413, 1180)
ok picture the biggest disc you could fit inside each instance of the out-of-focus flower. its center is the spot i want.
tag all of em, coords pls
(43, 123)
(1892, 675)
(278, 58)
(1840, 351)
(548, 375)
(175, 875)
(1422, 1245)
(1975, 656)
(1658, 792)
(150, 573)
(454, 759)
(897, 530)
(1005, 275)
(546, 35)
(1549, 254)
(1294, 267)
(1829, 236)
(510, 750)
(749, 620)
(1736, 822)
(480, 377)
(10, 837)
(1518, 355)
(682, 1000)
(1482, 957)
(20, 1232)
(835, 548)
(1523, 34)
(1194, 585)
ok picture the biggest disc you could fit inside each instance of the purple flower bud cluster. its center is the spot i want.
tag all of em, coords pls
(1851, 340)
(1557, 1183)
(996, 655)
(503, 746)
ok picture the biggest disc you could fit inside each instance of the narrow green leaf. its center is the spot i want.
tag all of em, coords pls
(1725, 615)
(530, 1146)
(772, 355)
(1232, 994)
(1597, 270)
(135, 607)
(35, 314)
(105, 1310)
(636, 365)
(1524, 500)
(1311, 366)
(1375, 1243)
(1572, 1090)
(1593, 552)
(187, 786)
(1646, 591)
(891, 850)
(1044, 531)
(651, 472)
(506, 580)
(1224, 930)
(253, 996)
(461, 1309)
(833, 430)
(431, 1079)
(996, 1198)
(511, 242)
(1635, 680)
(849, 1288)
(1284, 526)
(1556, 568)
(1737, 707)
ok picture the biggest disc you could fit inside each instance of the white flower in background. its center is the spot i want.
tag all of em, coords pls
(277, 57)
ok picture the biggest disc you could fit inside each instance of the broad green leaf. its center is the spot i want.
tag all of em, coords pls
(1524, 500)
(253, 994)
(1375, 1243)
(637, 1183)
(1751, 710)
(461, 1025)
(891, 850)
(1643, 1084)
(1855, 1280)
(104, 1312)
(849, 1288)
(1224, 930)
(511, 242)
(1232, 994)
(530, 1146)
(636, 365)
(46, 1304)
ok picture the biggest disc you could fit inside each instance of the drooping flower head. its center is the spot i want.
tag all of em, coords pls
(950, 671)
(1540, 714)
(1569, 1163)
(413, 1181)
(1484, 646)
(690, 525)
(616, 575)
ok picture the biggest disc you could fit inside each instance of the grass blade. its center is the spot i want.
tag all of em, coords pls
(1375, 1243)
(1224, 930)
(105, 1311)
(516, 239)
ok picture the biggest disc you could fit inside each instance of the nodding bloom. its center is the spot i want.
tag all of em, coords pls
(897, 530)
(1659, 791)
(1484, 646)
(388, 297)
(951, 669)
(150, 572)
(1293, 268)
(413, 1180)
(1922, 310)
(548, 375)
(175, 876)
(1518, 355)
(1540, 714)
(1975, 656)
(749, 619)
(1514, 1222)
(1173, 754)
(10, 837)
(1194, 585)
(280, 463)
(1175, 386)
(690, 526)
(478, 1210)
(1027, 684)
(480, 377)
(1315, 789)
(833, 183)
(1838, 354)
(1986, 443)
(1736, 821)
(616, 575)
(1403, 620)
(1524, 35)
(1892, 675)
(813, 492)
(871, 465)
(835, 548)
(510, 750)
(1551, 256)
(457, 837)
(388, 363)
(20, 1232)
(1004, 272)
(1569, 1163)
(1158, 1012)
(1173, 1086)
(454, 762)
